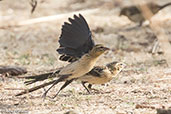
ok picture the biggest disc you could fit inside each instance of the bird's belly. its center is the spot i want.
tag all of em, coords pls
(82, 70)
(76, 70)
(96, 80)
(99, 81)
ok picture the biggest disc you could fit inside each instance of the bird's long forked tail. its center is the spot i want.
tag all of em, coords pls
(54, 82)
(168, 4)
(36, 78)
(40, 77)
(35, 88)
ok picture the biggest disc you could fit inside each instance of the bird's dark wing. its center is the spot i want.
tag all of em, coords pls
(96, 71)
(75, 39)
(134, 10)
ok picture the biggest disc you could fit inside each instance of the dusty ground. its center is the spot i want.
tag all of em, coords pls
(143, 86)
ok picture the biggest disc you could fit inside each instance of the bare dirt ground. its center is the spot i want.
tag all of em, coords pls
(142, 87)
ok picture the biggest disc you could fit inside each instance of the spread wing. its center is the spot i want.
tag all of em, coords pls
(75, 39)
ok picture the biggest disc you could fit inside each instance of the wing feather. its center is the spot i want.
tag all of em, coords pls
(75, 39)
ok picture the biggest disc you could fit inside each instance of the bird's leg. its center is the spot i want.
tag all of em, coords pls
(83, 83)
(44, 89)
(44, 95)
(65, 84)
(62, 78)
(140, 24)
(90, 85)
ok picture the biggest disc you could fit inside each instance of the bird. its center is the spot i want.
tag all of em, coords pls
(78, 48)
(98, 75)
(101, 75)
(135, 14)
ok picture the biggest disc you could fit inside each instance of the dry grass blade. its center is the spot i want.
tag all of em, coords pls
(48, 18)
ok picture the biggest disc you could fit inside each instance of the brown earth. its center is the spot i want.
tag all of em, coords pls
(142, 87)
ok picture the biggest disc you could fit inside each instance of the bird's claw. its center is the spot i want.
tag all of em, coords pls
(44, 95)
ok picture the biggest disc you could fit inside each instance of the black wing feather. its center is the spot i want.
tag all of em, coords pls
(75, 39)
(96, 71)
(134, 10)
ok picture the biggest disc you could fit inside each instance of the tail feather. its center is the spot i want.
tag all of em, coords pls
(37, 78)
(40, 77)
(54, 82)
(168, 4)
(35, 88)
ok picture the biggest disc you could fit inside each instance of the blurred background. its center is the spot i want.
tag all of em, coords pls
(30, 40)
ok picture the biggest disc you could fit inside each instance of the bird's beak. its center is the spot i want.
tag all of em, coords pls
(106, 49)
(124, 65)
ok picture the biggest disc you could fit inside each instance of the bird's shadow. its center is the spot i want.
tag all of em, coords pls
(51, 97)
(94, 93)
(80, 93)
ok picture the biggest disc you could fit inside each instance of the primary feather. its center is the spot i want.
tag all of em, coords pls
(75, 40)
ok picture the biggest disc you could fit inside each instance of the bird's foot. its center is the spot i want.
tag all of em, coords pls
(54, 96)
(44, 95)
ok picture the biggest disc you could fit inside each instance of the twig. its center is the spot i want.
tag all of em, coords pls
(163, 111)
(155, 47)
(33, 4)
(12, 70)
(144, 106)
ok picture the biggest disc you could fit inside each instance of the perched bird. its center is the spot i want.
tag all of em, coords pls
(77, 47)
(98, 75)
(134, 13)
(101, 75)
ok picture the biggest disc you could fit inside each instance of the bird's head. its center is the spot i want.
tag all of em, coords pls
(129, 11)
(98, 50)
(115, 67)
